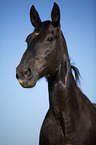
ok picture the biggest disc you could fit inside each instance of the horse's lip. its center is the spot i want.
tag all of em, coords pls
(28, 84)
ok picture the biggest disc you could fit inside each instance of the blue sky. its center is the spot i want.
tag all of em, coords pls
(22, 110)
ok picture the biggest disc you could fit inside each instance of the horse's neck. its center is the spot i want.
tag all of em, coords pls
(62, 95)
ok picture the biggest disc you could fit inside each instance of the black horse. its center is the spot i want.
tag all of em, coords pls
(71, 118)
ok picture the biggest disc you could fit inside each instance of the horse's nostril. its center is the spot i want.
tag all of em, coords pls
(27, 73)
(17, 76)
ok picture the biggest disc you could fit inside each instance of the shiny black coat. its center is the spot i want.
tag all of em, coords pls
(71, 118)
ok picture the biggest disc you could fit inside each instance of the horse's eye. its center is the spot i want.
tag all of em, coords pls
(50, 39)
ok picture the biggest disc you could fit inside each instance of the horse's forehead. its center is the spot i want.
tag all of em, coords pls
(44, 27)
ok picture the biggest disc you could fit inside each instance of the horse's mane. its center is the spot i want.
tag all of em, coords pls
(75, 69)
(76, 73)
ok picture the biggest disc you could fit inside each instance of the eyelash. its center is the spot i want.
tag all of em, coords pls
(50, 39)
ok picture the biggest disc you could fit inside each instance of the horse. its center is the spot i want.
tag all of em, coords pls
(71, 118)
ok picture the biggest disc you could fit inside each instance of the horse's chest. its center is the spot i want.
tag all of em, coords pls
(51, 132)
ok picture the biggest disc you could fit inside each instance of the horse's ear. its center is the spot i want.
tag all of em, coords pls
(34, 17)
(55, 15)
